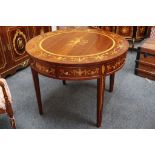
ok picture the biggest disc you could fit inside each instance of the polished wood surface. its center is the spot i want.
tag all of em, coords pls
(73, 44)
(145, 61)
(100, 99)
(112, 78)
(12, 46)
(37, 89)
(148, 45)
(77, 54)
(77, 46)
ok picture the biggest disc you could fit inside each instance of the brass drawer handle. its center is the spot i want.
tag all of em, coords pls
(25, 63)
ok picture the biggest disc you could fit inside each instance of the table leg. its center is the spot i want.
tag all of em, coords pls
(100, 99)
(64, 82)
(112, 79)
(37, 90)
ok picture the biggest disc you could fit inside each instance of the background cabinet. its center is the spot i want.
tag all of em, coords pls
(131, 33)
(12, 46)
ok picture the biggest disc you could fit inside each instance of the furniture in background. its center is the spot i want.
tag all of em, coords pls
(12, 46)
(77, 54)
(6, 102)
(131, 33)
(73, 27)
(145, 60)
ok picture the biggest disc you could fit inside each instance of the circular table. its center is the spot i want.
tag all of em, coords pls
(77, 54)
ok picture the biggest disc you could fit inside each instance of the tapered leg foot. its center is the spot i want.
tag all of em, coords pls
(100, 99)
(133, 44)
(64, 82)
(10, 114)
(37, 90)
(112, 79)
(13, 122)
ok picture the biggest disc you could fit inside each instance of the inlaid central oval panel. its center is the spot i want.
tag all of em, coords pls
(77, 44)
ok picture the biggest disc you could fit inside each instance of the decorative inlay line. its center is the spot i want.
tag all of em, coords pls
(116, 64)
(45, 69)
(102, 52)
(3, 54)
(118, 45)
(79, 72)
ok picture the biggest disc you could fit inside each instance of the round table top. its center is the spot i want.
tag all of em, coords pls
(77, 46)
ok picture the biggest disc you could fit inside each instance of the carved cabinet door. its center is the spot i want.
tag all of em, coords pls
(17, 38)
(108, 28)
(41, 29)
(141, 32)
(126, 31)
(3, 59)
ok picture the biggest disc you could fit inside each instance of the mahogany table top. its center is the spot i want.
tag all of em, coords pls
(77, 46)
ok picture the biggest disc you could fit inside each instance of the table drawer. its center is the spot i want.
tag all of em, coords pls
(79, 72)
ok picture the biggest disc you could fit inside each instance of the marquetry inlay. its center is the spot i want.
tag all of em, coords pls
(77, 46)
(19, 42)
(78, 72)
(115, 65)
(78, 41)
(45, 69)
(59, 71)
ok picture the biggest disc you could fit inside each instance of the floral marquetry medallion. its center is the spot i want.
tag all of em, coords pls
(19, 42)
(77, 41)
(79, 72)
(126, 31)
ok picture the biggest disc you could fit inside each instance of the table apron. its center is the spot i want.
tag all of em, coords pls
(78, 72)
(115, 65)
(69, 73)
